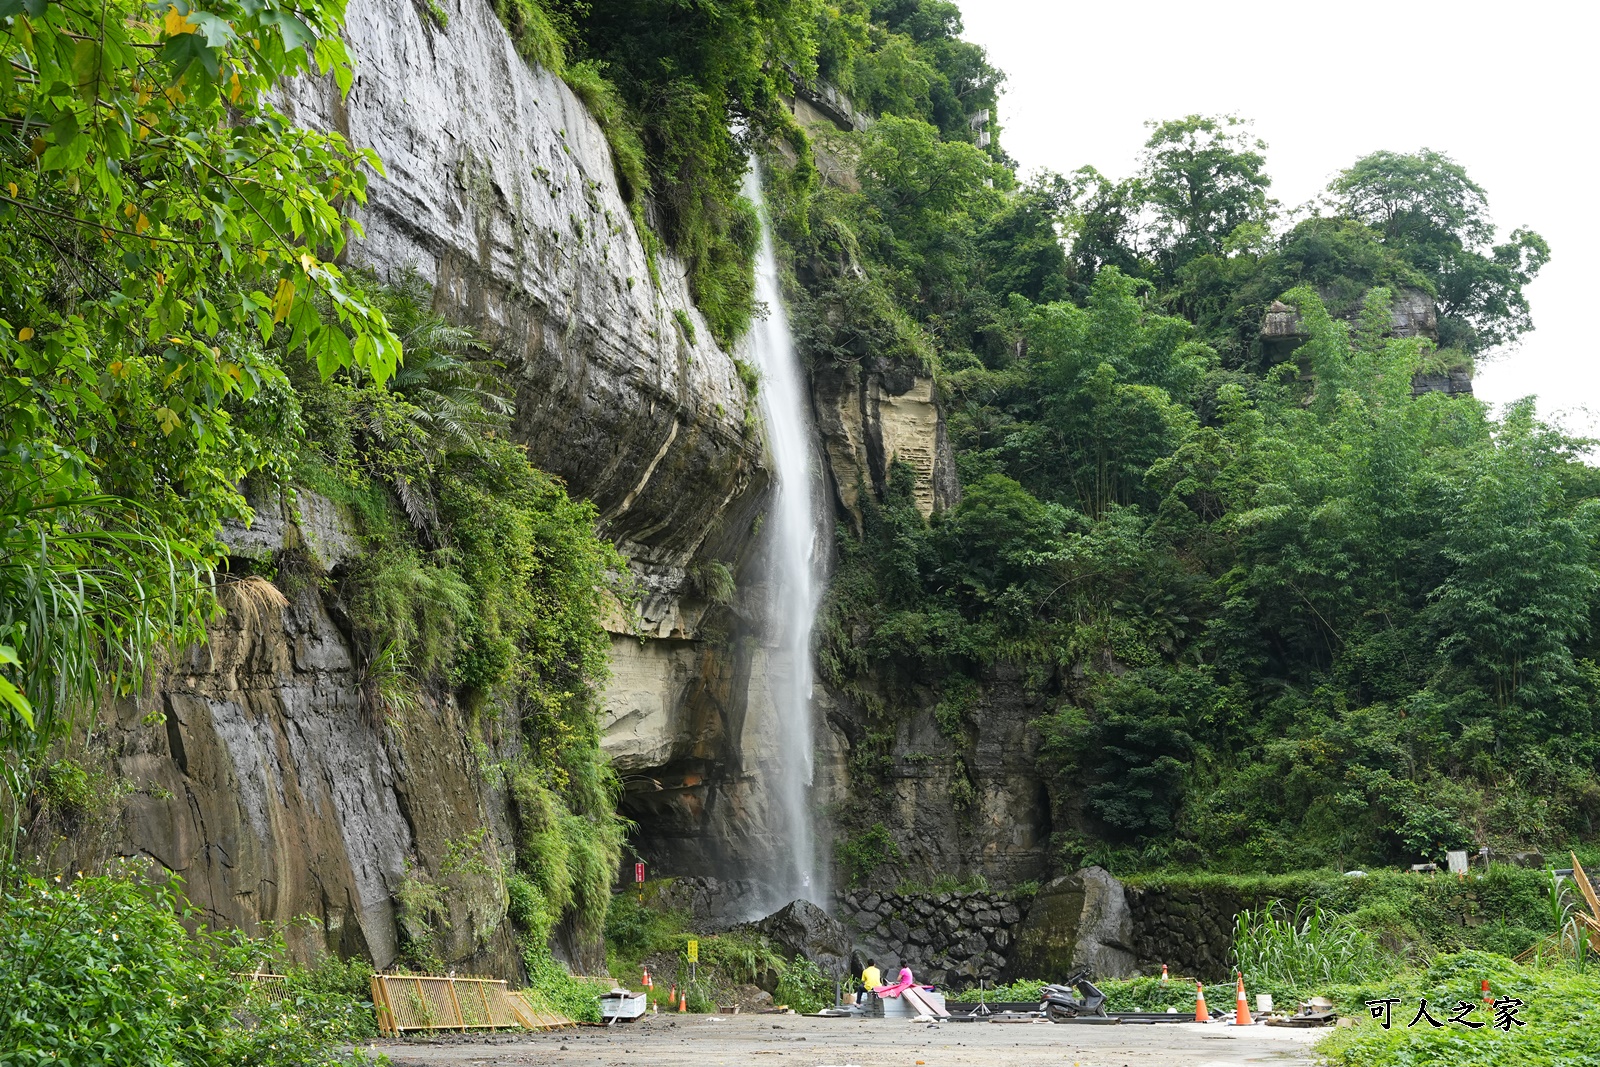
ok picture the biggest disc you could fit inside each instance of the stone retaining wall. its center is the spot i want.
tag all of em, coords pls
(946, 939)
(1189, 930)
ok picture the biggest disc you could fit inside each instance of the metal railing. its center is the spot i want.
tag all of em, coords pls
(421, 1002)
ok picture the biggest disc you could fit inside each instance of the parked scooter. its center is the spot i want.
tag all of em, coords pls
(1060, 1005)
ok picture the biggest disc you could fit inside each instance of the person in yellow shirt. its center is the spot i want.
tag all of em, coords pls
(871, 978)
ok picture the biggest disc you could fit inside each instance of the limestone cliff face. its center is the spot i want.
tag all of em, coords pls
(498, 187)
(271, 784)
(264, 778)
(874, 416)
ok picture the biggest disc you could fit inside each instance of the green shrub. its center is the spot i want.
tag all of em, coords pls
(534, 32)
(749, 376)
(945, 883)
(1560, 1009)
(685, 324)
(634, 931)
(1022, 991)
(401, 602)
(804, 987)
(528, 909)
(863, 853)
(740, 956)
(103, 971)
(552, 984)
(600, 96)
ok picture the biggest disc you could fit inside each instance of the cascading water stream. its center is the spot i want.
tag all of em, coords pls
(793, 582)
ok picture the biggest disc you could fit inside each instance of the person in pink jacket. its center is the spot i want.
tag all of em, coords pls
(905, 983)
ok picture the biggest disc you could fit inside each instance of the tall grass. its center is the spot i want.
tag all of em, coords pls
(1568, 941)
(90, 588)
(1306, 947)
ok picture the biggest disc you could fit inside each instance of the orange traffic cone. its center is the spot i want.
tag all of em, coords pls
(1163, 974)
(672, 997)
(683, 1003)
(1200, 1013)
(1488, 997)
(1241, 1013)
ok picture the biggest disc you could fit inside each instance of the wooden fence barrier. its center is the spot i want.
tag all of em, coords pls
(419, 1002)
(268, 988)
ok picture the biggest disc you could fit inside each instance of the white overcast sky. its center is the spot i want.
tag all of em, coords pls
(1508, 90)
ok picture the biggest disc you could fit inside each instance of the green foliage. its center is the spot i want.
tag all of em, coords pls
(1205, 181)
(1307, 947)
(1415, 917)
(568, 857)
(104, 970)
(1275, 617)
(864, 853)
(628, 156)
(804, 987)
(684, 96)
(1437, 218)
(685, 324)
(744, 956)
(945, 883)
(1558, 1011)
(906, 58)
(551, 984)
(634, 931)
(483, 579)
(536, 35)
(155, 234)
(1022, 991)
(641, 934)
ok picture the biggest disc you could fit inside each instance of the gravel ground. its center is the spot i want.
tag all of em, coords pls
(797, 1041)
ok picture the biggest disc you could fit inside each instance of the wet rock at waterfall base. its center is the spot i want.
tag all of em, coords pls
(800, 928)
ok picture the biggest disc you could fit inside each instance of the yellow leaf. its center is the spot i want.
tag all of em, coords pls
(168, 419)
(235, 90)
(177, 23)
(25, 334)
(261, 255)
(128, 209)
(161, 278)
(282, 300)
(141, 223)
(116, 367)
(40, 146)
(12, 186)
(308, 262)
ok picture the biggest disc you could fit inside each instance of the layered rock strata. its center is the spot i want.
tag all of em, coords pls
(1413, 313)
(271, 786)
(498, 187)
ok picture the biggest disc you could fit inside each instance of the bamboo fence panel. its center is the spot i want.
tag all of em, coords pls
(420, 1002)
(268, 988)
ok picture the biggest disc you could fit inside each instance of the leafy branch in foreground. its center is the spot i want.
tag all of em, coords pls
(160, 223)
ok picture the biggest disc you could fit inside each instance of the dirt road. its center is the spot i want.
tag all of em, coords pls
(796, 1041)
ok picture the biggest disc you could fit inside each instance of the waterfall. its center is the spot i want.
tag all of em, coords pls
(793, 585)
